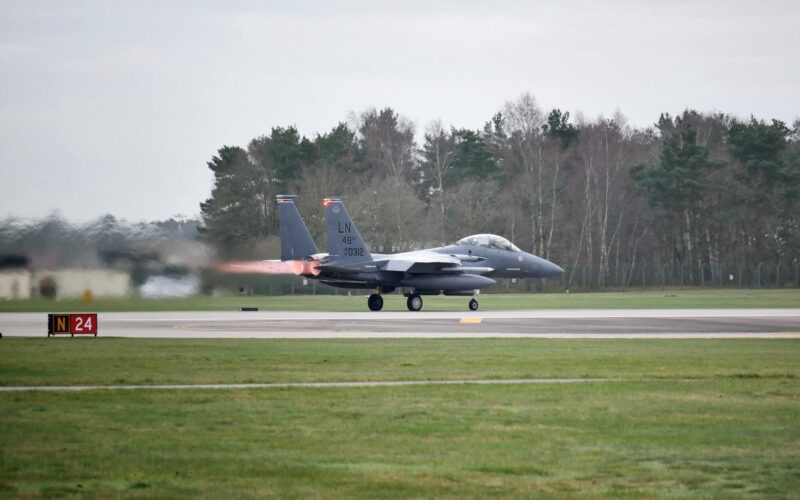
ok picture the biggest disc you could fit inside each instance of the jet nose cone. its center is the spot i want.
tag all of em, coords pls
(551, 269)
(543, 268)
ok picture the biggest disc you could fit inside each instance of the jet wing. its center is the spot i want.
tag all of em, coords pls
(426, 262)
(417, 262)
(421, 261)
(350, 268)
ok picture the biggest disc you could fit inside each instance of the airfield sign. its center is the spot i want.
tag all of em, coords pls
(72, 324)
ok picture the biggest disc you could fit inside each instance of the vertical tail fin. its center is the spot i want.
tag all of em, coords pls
(344, 240)
(296, 241)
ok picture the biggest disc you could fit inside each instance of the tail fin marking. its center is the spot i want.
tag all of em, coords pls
(344, 241)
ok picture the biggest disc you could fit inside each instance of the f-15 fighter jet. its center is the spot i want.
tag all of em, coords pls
(459, 269)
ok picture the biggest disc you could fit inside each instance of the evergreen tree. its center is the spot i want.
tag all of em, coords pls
(676, 189)
(239, 205)
(473, 158)
(771, 187)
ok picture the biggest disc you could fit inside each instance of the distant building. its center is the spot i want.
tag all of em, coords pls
(15, 284)
(15, 278)
(72, 283)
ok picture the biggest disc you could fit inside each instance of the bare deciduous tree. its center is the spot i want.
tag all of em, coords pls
(437, 153)
(387, 145)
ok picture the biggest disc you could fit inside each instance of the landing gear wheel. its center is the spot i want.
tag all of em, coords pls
(473, 305)
(375, 302)
(414, 302)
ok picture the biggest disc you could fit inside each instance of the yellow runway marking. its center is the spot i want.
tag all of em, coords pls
(471, 321)
(184, 327)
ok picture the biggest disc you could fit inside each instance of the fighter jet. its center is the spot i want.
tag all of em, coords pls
(462, 268)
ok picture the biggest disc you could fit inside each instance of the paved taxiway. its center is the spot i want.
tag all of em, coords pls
(622, 323)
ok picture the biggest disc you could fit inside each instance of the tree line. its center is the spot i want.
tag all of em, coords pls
(53, 242)
(694, 194)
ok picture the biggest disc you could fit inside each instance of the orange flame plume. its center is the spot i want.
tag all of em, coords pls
(297, 267)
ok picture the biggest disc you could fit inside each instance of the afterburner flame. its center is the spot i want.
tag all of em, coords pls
(296, 267)
(307, 267)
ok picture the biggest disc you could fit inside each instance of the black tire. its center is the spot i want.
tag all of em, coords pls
(414, 302)
(473, 305)
(375, 302)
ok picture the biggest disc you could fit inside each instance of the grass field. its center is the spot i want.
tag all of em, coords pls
(686, 418)
(68, 361)
(694, 298)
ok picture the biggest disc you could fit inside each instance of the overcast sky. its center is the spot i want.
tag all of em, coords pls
(115, 107)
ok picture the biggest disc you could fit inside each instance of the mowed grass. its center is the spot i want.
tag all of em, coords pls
(713, 438)
(77, 361)
(689, 298)
(685, 418)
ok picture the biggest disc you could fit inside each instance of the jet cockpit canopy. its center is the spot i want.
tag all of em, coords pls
(490, 241)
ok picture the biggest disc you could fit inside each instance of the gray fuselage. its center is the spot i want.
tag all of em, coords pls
(506, 263)
(488, 262)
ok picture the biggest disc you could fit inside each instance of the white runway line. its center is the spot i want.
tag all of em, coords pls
(215, 316)
(426, 315)
(322, 335)
(289, 385)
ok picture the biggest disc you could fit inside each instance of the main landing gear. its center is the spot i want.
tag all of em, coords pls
(375, 302)
(414, 302)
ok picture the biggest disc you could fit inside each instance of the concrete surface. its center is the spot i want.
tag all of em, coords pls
(623, 323)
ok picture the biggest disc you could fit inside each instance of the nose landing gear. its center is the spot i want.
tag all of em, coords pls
(414, 302)
(375, 302)
(473, 305)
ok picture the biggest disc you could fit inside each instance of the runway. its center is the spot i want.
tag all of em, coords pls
(622, 323)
